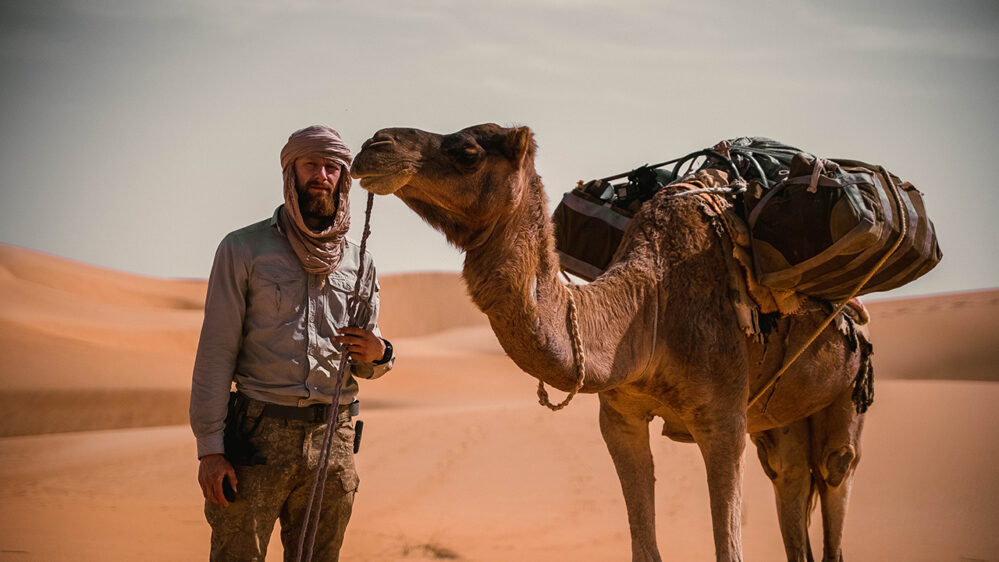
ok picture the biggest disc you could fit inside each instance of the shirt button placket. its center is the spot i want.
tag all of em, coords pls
(313, 335)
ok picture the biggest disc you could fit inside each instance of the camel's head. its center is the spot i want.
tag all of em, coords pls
(462, 183)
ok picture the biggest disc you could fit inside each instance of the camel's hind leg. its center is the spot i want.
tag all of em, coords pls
(626, 434)
(835, 450)
(784, 453)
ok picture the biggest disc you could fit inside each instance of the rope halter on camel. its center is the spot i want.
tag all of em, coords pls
(577, 349)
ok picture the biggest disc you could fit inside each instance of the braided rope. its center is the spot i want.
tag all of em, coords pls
(734, 189)
(307, 537)
(577, 348)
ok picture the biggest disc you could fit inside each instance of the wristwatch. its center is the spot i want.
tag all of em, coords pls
(388, 353)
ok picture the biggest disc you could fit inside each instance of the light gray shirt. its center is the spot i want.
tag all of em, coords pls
(268, 325)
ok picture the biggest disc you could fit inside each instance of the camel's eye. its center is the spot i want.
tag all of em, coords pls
(466, 155)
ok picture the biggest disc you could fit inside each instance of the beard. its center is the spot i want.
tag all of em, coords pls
(318, 204)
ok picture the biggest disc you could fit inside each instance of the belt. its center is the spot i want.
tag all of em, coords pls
(315, 413)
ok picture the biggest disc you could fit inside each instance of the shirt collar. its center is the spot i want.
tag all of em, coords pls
(275, 221)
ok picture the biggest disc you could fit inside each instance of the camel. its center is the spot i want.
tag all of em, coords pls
(658, 330)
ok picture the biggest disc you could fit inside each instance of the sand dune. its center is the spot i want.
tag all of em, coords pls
(511, 481)
(75, 357)
(947, 336)
(458, 459)
(425, 303)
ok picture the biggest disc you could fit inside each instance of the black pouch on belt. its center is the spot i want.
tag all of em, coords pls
(358, 428)
(239, 448)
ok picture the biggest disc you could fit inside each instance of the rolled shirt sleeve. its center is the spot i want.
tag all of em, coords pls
(218, 347)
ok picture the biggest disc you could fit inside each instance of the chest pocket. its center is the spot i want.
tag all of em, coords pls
(281, 290)
(342, 304)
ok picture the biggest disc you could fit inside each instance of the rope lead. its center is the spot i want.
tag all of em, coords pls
(307, 538)
(577, 348)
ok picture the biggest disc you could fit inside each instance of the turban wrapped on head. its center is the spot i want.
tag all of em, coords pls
(319, 252)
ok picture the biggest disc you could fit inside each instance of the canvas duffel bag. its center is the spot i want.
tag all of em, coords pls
(591, 219)
(588, 229)
(829, 223)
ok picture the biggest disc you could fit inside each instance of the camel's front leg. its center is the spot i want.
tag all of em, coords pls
(627, 436)
(722, 439)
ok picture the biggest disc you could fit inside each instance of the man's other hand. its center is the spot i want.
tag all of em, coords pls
(212, 470)
(361, 345)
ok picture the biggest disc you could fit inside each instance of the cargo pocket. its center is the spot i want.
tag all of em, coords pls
(349, 479)
(345, 455)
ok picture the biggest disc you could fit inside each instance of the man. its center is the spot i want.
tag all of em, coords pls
(276, 319)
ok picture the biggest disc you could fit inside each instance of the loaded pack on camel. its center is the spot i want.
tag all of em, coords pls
(815, 226)
(832, 229)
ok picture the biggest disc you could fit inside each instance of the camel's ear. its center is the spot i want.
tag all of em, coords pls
(519, 142)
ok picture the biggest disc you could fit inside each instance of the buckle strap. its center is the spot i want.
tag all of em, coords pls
(317, 413)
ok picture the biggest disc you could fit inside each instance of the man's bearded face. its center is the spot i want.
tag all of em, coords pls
(316, 181)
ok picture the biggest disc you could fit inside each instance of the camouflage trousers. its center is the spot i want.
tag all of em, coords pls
(280, 490)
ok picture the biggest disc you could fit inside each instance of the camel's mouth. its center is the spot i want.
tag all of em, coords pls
(385, 184)
(381, 172)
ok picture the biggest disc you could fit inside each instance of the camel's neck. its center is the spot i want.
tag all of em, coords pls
(513, 278)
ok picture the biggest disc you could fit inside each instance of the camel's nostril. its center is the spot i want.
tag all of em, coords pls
(379, 138)
(374, 142)
(378, 143)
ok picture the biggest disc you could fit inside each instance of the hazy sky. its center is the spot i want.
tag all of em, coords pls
(136, 134)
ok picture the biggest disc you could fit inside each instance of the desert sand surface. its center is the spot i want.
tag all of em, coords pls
(458, 460)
